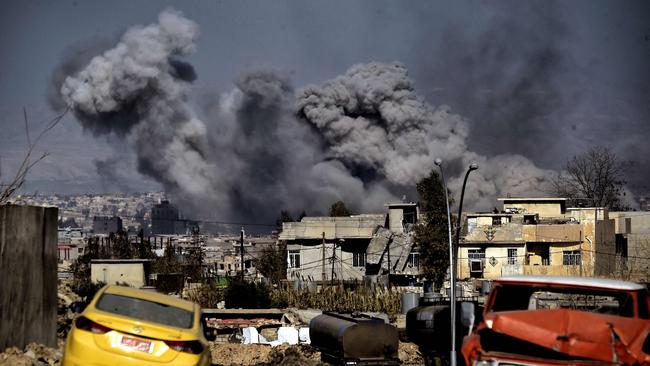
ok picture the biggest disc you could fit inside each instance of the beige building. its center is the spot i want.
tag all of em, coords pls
(537, 236)
(349, 248)
(133, 272)
(633, 239)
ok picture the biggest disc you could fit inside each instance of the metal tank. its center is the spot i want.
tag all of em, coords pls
(429, 325)
(354, 339)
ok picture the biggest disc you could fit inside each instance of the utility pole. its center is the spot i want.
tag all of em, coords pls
(323, 274)
(333, 259)
(241, 253)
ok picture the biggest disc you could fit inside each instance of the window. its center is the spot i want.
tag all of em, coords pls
(512, 256)
(359, 259)
(496, 220)
(476, 254)
(146, 310)
(476, 262)
(571, 257)
(414, 259)
(294, 259)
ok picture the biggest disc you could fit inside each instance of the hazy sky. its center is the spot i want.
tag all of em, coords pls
(538, 78)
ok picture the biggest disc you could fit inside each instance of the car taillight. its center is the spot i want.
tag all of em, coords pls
(86, 324)
(194, 347)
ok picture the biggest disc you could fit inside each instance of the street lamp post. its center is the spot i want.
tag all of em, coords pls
(452, 293)
(452, 254)
(472, 166)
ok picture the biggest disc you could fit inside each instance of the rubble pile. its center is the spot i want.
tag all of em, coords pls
(260, 354)
(409, 354)
(240, 323)
(65, 315)
(34, 354)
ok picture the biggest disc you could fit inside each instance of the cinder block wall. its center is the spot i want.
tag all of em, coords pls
(28, 275)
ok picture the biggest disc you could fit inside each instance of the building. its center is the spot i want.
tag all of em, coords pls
(537, 236)
(633, 243)
(352, 247)
(131, 272)
(106, 224)
(166, 220)
(71, 244)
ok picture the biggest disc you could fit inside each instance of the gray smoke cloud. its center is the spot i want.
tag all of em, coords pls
(246, 158)
(372, 118)
(365, 137)
(138, 90)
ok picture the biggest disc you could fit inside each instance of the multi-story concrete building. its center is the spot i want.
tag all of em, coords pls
(633, 242)
(106, 224)
(349, 248)
(537, 236)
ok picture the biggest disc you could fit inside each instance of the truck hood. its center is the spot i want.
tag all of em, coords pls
(606, 338)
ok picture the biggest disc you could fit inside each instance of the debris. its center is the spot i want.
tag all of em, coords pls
(240, 323)
(303, 335)
(33, 354)
(288, 335)
(409, 354)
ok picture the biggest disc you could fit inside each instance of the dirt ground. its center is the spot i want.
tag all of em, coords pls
(223, 354)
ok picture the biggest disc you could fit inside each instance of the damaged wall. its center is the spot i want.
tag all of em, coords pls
(28, 269)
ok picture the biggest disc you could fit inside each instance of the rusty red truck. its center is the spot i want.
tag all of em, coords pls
(547, 320)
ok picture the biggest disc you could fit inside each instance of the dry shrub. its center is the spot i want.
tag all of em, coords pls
(207, 295)
(337, 298)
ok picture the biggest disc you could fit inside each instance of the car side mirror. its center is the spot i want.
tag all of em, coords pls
(467, 316)
(210, 334)
(77, 307)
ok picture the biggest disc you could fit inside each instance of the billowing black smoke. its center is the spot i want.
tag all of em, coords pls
(365, 137)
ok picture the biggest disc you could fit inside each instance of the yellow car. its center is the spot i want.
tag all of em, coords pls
(125, 326)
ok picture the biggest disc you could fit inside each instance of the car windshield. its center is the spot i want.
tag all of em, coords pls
(513, 297)
(146, 310)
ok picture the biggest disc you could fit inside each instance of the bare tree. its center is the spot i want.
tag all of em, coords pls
(8, 189)
(595, 178)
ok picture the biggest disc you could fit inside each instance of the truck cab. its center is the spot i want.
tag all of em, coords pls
(547, 320)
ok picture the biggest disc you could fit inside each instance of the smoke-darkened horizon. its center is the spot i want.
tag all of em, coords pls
(365, 137)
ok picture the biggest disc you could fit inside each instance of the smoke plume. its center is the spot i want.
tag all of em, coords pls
(372, 119)
(365, 137)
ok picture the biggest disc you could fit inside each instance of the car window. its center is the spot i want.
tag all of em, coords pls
(146, 310)
(515, 297)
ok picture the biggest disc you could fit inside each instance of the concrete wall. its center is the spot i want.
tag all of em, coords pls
(28, 271)
(395, 218)
(110, 273)
(605, 253)
(544, 209)
(501, 267)
(544, 233)
(311, 263)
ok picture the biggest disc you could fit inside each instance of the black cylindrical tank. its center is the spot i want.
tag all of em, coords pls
(429, 326)
(358, 338)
